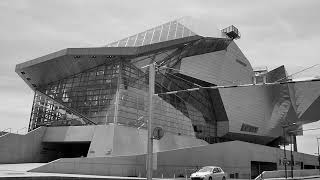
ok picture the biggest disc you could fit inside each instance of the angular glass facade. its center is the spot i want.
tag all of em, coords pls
(165, 32)
(90, 93)
(117, 92)
(48, 112)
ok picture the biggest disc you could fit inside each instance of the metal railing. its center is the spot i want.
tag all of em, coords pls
(10, 131)
(24, 128)
(5, 131)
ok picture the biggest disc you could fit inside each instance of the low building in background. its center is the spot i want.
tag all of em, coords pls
(90, 108)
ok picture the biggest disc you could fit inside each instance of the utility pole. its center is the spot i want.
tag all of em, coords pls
(292, 160)
(318, 154)
(284, 152)
(150, 138)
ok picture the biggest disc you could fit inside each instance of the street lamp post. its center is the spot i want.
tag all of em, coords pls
(317, 144)
(150, 139)
(284, 151)
(318, 154)
(291, 154)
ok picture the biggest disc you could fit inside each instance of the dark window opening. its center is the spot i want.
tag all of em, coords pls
(240, 62)
(257, 167)
(58, 150)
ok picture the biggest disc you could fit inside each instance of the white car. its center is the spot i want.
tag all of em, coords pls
(209, 173)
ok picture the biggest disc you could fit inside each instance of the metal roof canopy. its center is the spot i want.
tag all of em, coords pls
(70, 61)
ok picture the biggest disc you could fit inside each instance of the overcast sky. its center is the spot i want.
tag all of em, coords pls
(274, 32)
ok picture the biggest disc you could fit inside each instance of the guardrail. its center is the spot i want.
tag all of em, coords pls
(5, 130)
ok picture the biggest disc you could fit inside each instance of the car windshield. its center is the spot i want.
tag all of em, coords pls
(205, 169)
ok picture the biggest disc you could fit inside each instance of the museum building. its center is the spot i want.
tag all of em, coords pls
(90, 108)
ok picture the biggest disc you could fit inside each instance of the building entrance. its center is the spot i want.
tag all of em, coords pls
(257, 167)
(52, 151)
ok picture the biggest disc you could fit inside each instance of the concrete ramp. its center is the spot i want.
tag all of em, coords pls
(19, 171)
(234, 157)
(17, 148)
(297, 174)
(69, 134)
(20, 167)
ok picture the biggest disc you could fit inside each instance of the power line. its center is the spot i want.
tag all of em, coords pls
(312, 129)
(234, 86)
(182, 79)
(232, 82)
(297, 72)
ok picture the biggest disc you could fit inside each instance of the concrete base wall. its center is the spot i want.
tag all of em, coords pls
(115, 166)
(281, 174)
(233, 157)
(133, 141)
(102, 141)
(115, 140)
(69, 134)
(106, 140)
(16, 148)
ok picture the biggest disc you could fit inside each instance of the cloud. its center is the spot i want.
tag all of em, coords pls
(273, 33)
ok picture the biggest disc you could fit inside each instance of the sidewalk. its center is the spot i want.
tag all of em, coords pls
(19, 171)
(7, 174)
(20, 167)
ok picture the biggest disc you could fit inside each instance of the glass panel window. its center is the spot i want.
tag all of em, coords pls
(147, 39)
(81, 93)
(179, 31)
(140, 39)
(172, 31)
(165, 31)
(122, 43)
(156, 35)
(131, 40)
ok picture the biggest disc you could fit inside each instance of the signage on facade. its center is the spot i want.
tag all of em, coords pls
(157, 133)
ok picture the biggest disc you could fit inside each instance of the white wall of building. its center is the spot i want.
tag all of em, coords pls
(17, 148)
(220, 67)
(233, 157)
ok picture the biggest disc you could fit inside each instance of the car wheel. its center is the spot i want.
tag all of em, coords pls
(210, 178)
(223, 178)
